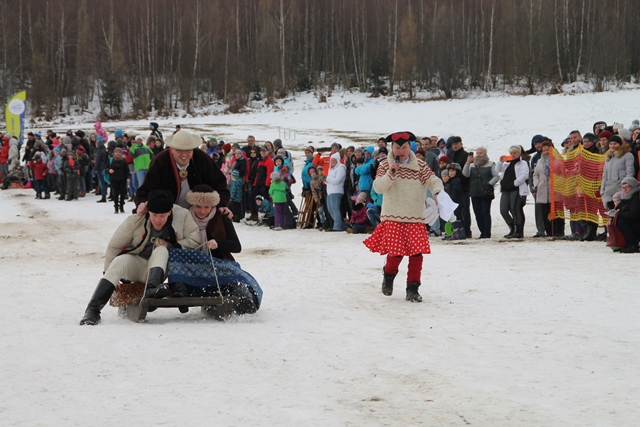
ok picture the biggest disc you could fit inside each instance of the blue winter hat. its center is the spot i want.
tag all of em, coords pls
(57, 149)
(414, 146)
(119, 133)
(37, 134)
(100, 138)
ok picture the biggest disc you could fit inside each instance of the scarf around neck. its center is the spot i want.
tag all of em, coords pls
(202, 226)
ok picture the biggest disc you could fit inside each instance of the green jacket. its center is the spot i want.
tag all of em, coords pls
(278, 192)
(141, 155)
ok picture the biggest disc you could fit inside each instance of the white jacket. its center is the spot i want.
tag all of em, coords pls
(336, 176)
(522, 174)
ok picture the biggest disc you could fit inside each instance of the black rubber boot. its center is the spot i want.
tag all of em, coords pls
(387, 283)
(512, 231)
(103, 200)
(412, 292)
(155, 287)
(179, 290)
(99, 299)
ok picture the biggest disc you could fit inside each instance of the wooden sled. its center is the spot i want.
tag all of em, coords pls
(305, 213)
(128, 298)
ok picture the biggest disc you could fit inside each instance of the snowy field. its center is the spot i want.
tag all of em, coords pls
(532, 333)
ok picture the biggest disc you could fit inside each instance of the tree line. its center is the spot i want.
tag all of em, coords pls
(167, 54)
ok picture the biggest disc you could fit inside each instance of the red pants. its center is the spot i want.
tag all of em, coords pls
(415, 266)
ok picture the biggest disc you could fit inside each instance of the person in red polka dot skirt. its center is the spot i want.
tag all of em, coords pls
(403, 179)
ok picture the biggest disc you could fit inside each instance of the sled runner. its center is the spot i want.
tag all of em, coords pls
(128, 298)
(305, 214)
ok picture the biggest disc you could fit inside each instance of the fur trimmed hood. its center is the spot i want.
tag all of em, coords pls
(624, 149)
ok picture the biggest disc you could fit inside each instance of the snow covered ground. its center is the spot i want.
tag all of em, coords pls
(532, 333)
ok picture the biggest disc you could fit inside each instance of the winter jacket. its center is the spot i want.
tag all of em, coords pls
(263, 177)
(336, 176)
(405, 192)
(365, 180)
(101, 157)
(359, 215)
(630, 208)
(39, 170)
(155, 131)
(541, 182)
(14, 154)
(134, 233)
(516, 176)
(100, 130)
(142, 156)
(306, 178)
(617, 166)
(163, 174)
(460, 157)
(278, 192)
(220, 228)
(4, 152)
(70, 166)
(478, 175)
(120, 170)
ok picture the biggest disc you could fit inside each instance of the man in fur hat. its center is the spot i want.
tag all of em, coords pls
(180, 168)
(139, 250)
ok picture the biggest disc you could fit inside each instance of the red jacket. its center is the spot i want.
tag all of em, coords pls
(4, 152)
(265, 166)
(39, 170)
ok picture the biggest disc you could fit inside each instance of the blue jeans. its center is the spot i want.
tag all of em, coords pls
(140, 178)
(133, 185)
(102, 184)
(333, 202)
(374, 216)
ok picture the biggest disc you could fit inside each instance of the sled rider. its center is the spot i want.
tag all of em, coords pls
(138, 250)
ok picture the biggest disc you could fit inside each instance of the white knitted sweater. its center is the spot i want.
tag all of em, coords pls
(405, 193)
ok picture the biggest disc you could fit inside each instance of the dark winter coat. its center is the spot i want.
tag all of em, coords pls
(101, 157)
(460, 157)
(163, 174)
(120, 170)
(220, 229)
(630, 208)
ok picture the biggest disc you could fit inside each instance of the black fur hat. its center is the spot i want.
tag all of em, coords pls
(160, 201)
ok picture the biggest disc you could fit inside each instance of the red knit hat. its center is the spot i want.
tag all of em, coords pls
(604, 134)
(444, 159)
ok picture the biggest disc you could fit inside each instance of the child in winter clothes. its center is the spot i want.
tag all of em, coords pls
(453, 187)
(118, 175)
(51, 171)
(265, 207)
(359, 219)
(316, 184)
(40, 170)
(71, 169)
(83, 160)
(278, 193)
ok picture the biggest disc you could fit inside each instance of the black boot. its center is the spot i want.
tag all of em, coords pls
(47, 196)
(99, 299)
(122, 208)
(155, 287)
(103, 200)
(412, 292)
(179, 290)
(519, 232)
(590, 232)
(512, 231)
(387, 283)
(115, 209)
